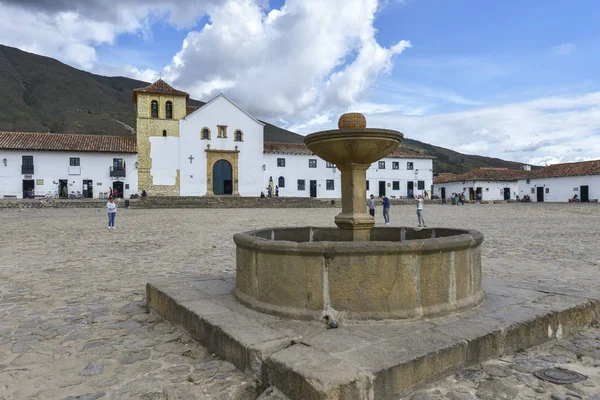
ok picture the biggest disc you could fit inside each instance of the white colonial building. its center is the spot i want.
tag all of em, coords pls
(555, 183)
(50, 163)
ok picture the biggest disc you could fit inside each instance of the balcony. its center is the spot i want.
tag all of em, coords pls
(27, 169)
(117, 172)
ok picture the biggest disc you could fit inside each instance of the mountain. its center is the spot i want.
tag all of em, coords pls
(41, 94)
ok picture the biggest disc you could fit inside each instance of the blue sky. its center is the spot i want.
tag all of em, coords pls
(511, 79)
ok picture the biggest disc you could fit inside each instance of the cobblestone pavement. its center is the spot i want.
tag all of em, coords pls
(73, 323)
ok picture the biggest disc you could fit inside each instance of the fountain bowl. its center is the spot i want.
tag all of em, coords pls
(353, 145)
(400, 273)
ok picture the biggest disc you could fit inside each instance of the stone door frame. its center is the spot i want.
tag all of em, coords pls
(212, 156)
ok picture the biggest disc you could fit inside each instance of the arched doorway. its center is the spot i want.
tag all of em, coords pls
(222, 177)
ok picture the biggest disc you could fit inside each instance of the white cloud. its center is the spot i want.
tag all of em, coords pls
(537, 131)
(297, 63)
(564, 49)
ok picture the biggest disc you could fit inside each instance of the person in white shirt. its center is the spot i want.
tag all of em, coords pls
(111, 207)
(420, 211)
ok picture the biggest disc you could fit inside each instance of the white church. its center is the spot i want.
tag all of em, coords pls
(215, 149)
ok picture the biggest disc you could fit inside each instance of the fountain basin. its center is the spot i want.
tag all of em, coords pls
(400, 273)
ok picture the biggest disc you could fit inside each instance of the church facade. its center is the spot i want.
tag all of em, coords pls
(220, 149)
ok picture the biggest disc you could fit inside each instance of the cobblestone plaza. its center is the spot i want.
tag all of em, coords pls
(73, 321)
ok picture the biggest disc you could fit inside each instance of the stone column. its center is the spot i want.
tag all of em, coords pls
(354, 221)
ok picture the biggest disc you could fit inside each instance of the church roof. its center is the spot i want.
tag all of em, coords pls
(159, 87)
(66, 142)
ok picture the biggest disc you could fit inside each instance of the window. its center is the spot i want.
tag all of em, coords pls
(238, 136)
(409, 165)
(281, 182)
(222, 131)
(118, 163)
(330, 185)
(367, 185)
(281, 162)
(420, 185)
(312, 163)
(301, 184)
(396, 185)
(164, 133)
(74, 162)
(330, 165)
(205, 135)
(547, 190)
(169, 110)
(154, 109)
(381, 164)
(395, 165)
(27, 165)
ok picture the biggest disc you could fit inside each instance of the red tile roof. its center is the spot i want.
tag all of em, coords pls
(159, 87)
(485, 174)
(286, 148)
(301, 149)
(569, 169)
(190, 109)
(401, 153)
(66, 142)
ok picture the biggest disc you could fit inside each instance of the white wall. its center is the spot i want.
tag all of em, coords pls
(50, 166)
(164, 152)
(220, 111)
(297, 167)
(561, 189)
(491, 190)
(422, 171)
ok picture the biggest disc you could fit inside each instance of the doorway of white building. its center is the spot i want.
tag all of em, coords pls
(540, 194)
(28, 186)
(410, 189)
(506, 193)
(313, 188)
(88, 189)
(443, 195)
(118, 188)
(382, 188)
(63, 188)
(222, 178)
(585, 193)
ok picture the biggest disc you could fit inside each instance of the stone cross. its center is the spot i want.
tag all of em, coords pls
(190, 158)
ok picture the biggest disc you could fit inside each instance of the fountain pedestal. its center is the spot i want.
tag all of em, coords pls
(354, 225)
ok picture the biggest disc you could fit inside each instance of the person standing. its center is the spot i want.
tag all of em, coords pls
(111, 208)
(371, 205)
(276, 191)
(386, 209)
(420, 211)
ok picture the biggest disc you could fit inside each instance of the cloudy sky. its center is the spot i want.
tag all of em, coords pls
(512, 79)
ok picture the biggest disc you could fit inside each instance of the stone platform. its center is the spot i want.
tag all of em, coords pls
(369, 360)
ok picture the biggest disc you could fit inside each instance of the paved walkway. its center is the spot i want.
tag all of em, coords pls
(72, 321)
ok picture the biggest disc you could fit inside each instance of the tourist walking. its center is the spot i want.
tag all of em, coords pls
(111, 207)
(371, 205)
(420, 211)
(276, 191)
(386, 209)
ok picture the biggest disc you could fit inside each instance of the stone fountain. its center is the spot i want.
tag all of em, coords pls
(358, 271)
(267, 320)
